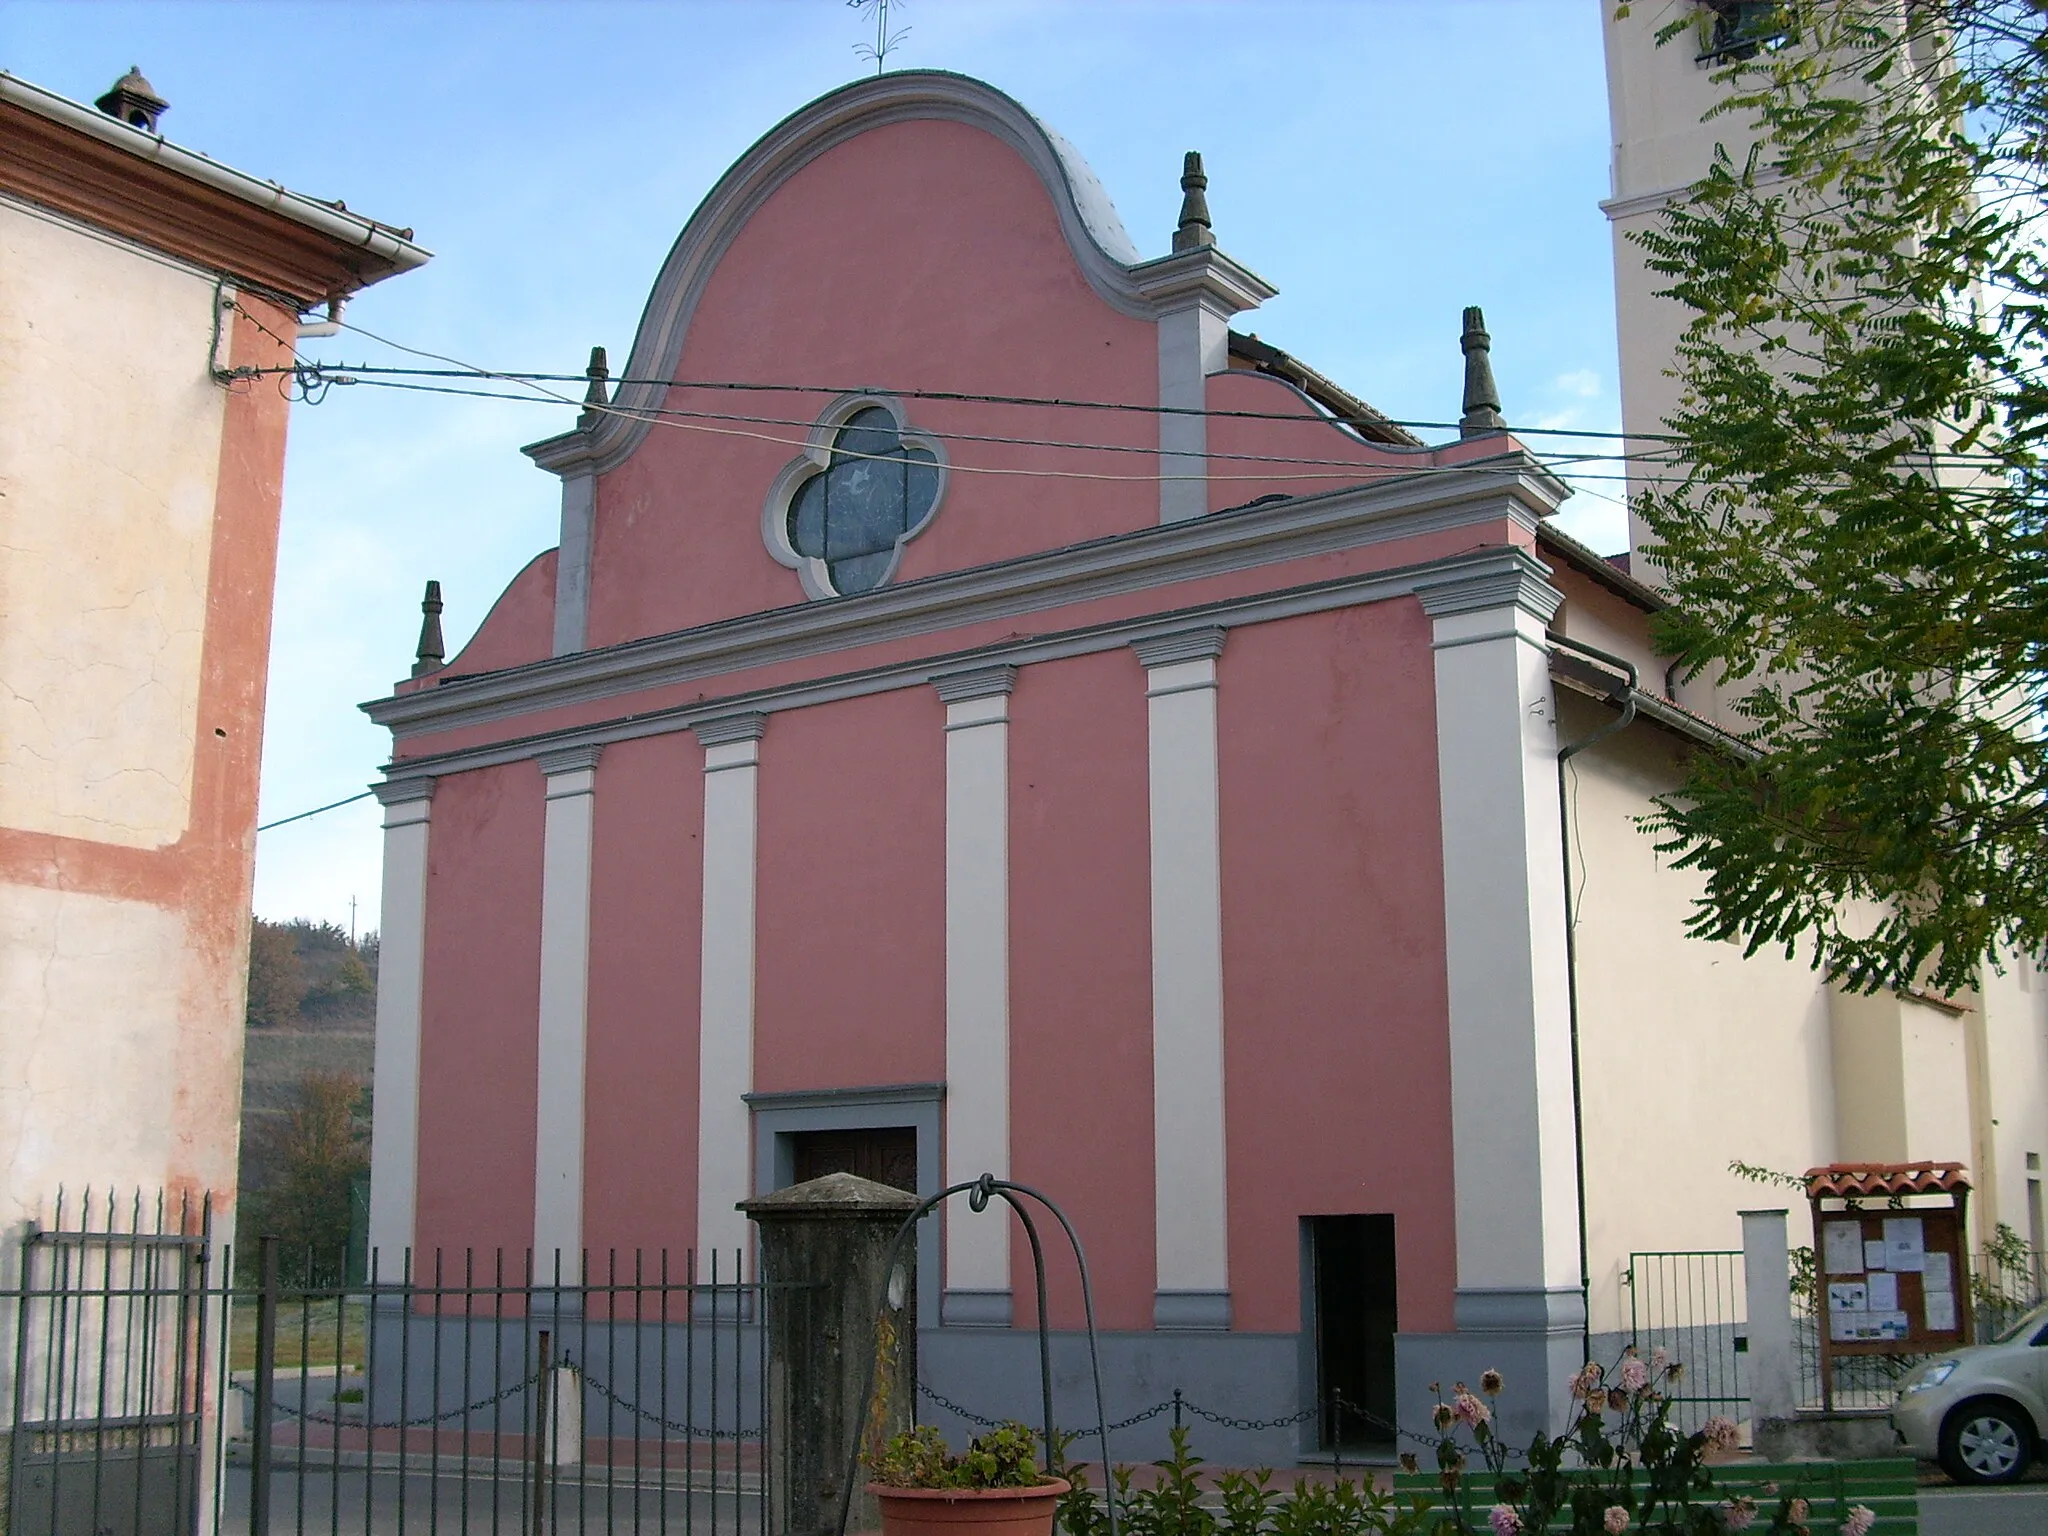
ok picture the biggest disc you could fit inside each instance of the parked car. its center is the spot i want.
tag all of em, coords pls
(1981, 1411)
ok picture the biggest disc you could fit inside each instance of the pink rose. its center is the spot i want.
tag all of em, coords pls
(1467, 1409)
(1860, 1520)
(1505, 1521)
(1738, 1514)
(1721, 1433)
(1634, 1375)
(1798, 1511)
(1615, 1521)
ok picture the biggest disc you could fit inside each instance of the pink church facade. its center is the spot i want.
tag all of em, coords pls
(1169, 823)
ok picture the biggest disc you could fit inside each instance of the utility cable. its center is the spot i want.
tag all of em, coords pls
(316, 811)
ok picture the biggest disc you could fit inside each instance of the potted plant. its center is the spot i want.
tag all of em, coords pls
(993, 1488)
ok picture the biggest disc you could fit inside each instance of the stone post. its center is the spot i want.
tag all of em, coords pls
(823, 1244)
(1773, 1360)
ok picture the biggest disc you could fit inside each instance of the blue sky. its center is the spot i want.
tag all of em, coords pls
(1384, 162)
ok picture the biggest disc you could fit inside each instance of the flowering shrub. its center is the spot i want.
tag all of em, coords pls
(1622, 1467)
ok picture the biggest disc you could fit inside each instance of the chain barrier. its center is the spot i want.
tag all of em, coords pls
(674, 1426)
(346, 1421)
(1179, 1402)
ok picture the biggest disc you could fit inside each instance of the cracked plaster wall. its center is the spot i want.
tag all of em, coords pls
(84, 1091)
(110, 441)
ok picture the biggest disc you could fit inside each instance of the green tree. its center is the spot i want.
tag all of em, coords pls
(277, 982)
(312, 1153)
(1853, 524)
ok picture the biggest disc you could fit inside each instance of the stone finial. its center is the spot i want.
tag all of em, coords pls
(1482, 395)
(596, 395)
(1195, 230)
(134, 100)
(432, 650)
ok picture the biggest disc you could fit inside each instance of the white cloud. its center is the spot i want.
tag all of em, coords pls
(1583, 382)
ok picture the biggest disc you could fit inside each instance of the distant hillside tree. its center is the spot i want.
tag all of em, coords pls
(314, 1151)
(277, 982)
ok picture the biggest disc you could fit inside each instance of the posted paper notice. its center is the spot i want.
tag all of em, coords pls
(1941, 1310)
(1842, 1247)
(1905, 1244)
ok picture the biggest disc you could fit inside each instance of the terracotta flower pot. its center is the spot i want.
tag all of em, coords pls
(970, 1511)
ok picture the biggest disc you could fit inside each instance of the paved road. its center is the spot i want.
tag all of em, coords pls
(2019, 1511)
(358, 1503)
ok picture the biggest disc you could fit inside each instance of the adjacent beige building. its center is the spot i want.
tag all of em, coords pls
(140, 481)
(1766, 1061)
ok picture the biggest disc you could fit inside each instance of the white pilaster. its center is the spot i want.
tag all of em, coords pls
(1195, 292)
(1504, 937)
(1190, 1191)
(977, 982)
(401, 978)
(1194, 342)
(725, 1051)
(564, 1007)
(572, 562)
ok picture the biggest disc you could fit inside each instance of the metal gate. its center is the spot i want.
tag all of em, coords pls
(1693, 1305)
(158, 1391)
(110, 1317)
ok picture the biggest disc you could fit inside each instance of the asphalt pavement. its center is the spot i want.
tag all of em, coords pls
(2020, 1511)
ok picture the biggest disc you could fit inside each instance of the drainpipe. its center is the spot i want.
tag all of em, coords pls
(1627, 695)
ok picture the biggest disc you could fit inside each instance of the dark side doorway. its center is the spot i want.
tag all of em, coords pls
(887, 1154)
(1352, 1297)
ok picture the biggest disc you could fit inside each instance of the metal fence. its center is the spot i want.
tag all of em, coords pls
(1692, 1304)
(155, 1393)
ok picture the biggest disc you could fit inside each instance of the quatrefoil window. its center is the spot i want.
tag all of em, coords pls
(840, 512)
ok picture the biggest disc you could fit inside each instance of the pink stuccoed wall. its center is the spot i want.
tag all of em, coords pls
(1336, 1059)
(926, 254)
(520, 626)
(1081, 977)
(850, 964)
(640, 1063)
(478, 1042)
(922, 253)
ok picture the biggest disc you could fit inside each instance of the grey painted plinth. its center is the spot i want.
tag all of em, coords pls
(1841, 1436)
(1534, 1338)
(830, 1313)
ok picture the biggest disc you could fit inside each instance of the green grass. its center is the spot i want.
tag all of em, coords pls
(307, 1335)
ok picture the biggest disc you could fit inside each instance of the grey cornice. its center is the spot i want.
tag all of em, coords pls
(724, 730)
(1524, 583)
(981, 683)
(576, 759)
(1202, 644)
(1398, 507)
(1265, 607)
(805, 1098)
(1201, 275)
(399, 791)
(1097, 240)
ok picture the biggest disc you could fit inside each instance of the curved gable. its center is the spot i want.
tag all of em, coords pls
(911, 233)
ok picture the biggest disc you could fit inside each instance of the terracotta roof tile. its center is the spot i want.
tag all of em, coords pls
(1849, 1180)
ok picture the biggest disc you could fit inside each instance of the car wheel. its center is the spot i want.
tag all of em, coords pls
(1986, 1442)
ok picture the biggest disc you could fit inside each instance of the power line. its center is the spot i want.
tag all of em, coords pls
(317, 810)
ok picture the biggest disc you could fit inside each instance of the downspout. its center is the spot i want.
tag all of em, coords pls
(1571, 964)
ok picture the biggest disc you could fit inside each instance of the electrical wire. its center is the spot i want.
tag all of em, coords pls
(316, 811)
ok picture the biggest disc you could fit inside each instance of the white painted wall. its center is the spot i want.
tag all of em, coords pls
(2015, 1005)
(109, 445)
(1691, 1056)
(90, 1004)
